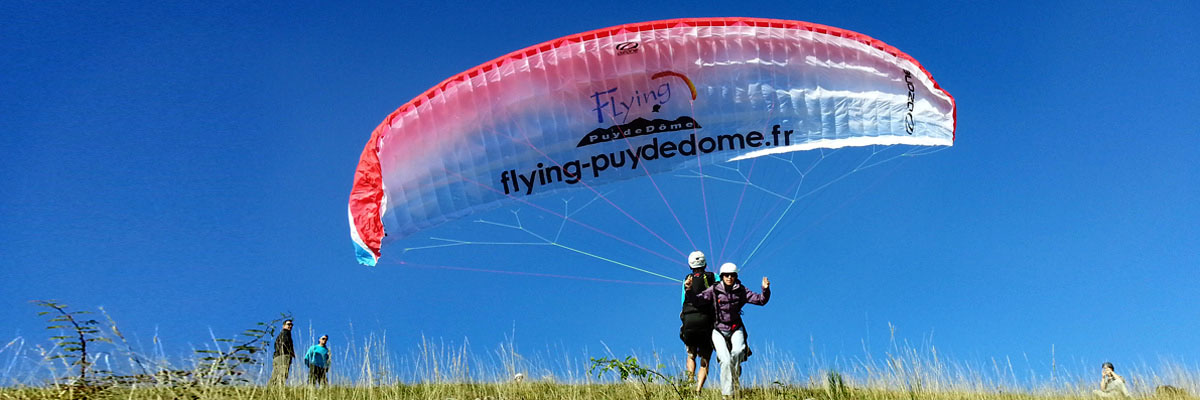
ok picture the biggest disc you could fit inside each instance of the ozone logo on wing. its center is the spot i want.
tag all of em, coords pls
(627, 48)
(909, 123)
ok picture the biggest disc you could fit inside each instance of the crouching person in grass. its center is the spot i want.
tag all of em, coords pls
(729, 334)
(317, 359)
(1111, 384)
(284, 353)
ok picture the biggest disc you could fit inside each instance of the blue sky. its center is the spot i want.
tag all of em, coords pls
(187, 167)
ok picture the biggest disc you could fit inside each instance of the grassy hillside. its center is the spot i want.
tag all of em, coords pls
(88, 357)
(528, 391)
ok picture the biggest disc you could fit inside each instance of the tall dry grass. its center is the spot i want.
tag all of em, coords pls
(367, 367)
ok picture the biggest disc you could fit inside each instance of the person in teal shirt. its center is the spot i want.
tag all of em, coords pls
(317, 359)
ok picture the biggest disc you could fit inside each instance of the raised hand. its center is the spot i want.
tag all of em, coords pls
(766, 283)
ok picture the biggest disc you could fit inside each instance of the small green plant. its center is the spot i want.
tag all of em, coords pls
(224, 364)
(79, 333)
(836, 387)
(630, 368)
(227, 364)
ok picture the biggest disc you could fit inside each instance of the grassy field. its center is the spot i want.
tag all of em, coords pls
(530, 391)
(439, 371)
(368, 368)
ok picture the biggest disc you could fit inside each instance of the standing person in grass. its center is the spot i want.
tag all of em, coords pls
(729, 334)
(1111, 384)
(284, 353)
(317, 359)
(697, 322)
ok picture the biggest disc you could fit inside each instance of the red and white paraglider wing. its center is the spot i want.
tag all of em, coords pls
(596, 107)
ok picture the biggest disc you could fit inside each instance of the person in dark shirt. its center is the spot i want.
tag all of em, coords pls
(697, 322)
(285, 352)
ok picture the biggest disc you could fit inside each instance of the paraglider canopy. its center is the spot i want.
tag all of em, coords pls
(633, 102)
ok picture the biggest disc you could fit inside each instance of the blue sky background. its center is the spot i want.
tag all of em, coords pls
(187, 167)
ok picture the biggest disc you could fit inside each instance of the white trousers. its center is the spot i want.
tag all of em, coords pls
(730, 356)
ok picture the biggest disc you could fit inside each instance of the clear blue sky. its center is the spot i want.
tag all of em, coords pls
(188, 166)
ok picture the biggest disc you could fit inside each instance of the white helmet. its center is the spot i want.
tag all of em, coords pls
(696, 259)
(728, 268)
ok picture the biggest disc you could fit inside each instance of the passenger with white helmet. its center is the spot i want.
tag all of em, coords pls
(729, 334)
(697, 321)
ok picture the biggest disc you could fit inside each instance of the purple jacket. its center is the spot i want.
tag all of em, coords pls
(729, 303)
